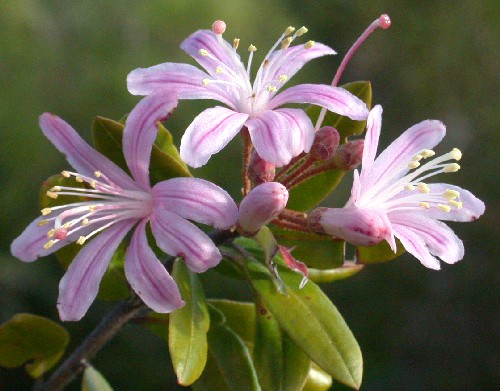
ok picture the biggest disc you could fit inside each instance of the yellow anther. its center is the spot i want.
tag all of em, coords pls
(413, 165)
(236, 43)
(423, 188)
(98, 174)
(65, 174)
(85, 222)
(444, 208)
(203, 52)
(409, 187)
(427, 153)
(219, 70)
(56, 188)
(417, 158)
(425, 205)
(52, 194)
(283, 78)
(67, 226)
(81, 240)
(456, 154)
(289, 30)
(51, 233)
(93, 184)
(252, 48)
(41, 223)
(301, 31)
(457, 204)
(452, 167)
(79, 179)
(206, 82)
(92, 208)
(271, 89)
(309, 44)
(286, 42)
(49, 244)
(451, 194)
(46, 211)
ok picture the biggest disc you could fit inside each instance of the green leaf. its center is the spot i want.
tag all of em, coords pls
(239, 316)
(317, 380)
(346, 126)
(379, 253)
(165, 160)
(229, 366)
(188, 326)
(28, 337)
(93, 380)
(311, 320)
(347, 270)
(280, 364)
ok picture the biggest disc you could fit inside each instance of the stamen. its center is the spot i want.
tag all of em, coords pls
(413, 165)
(283, 78)
(444, 208)
(85, 222)
(409, 187)
(203, 52)
(218, 27)
(93, 184)
(425, 205)
(301, 31)
(456, 154)
(51, 233)
(41, 223)
(46, 211)
(427, 153)
(56, 188)
(219, 70)
(49, 244)
(65, 174)
(417, 158)
(252, 48)
(236, 43)
(451, 194)
(98, 174)
(79, 179)
(52, 194)
(289, 30)
(458, 204)
(271, 89)
(206, 82)
(286, 43)
(81, 240)
(309, 44)
(423, 188)
(92, 208)
(452, 167)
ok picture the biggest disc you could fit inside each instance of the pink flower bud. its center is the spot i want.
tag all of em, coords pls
(260, 171)
(326, 142)
(362, 227)
(349, 155)
(263, 204)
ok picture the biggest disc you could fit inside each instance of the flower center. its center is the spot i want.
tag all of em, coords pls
(104, 204)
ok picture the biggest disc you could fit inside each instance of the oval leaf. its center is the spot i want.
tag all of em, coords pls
(188, 326)
(28, 337)
(239, 317)
(311, 320)
(317, 380)
(93, 380)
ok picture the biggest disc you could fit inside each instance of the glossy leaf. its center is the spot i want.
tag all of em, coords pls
(229, 366)
(348, 269)
(317, 380)
(32, 338)
(280, 364)
(188, 326)
(311, 320)
(379, 253)
(93, 380)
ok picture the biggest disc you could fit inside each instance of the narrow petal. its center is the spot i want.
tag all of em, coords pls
(177, 236)
(439, 239)
(415, 245)
(271, 137)
(79, 286)
(84, 159)
(148, 277)
(472, 207)
(393, 161)
(184, 80)
(301, 129)
(140, 132)
(197, 199)
(210, 131)
(335, 99)
(373, 127)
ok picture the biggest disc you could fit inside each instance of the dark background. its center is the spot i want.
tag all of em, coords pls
(418, 329)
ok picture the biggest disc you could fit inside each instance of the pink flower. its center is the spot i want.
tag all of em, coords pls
(278, 134)
(118, 204)
(389, 198)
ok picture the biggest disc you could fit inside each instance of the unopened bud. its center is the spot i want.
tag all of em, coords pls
(263, 204)
(326, 142)
(349, 155)
(260, 170)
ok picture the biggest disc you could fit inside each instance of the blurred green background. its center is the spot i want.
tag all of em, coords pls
(418, 329)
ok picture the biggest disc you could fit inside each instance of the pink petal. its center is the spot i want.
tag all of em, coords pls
(197, 199)
(271, 137)
(415, 245)
(472, 207)
(184, 80)
(439, 239)
(392, 163)
(210, 131)
(301, 130)
(178, 237)
(84, 159)
(335, 99)
(79, 286)
(140, 132)
(148, 277)
(373, 126)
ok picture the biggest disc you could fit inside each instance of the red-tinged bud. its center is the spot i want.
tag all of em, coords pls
(263, 204)
(361, 227)
(218, 27)
(349, 155)
(260, 171)
(326, 142)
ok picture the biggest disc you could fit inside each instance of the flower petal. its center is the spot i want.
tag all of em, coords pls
(79, 286)
(140, 132)
(210, 131)
(148, 277)
(373, 127)
(197, 199)
(84, 159)
(335, 99)
(415, 245)
(301, 130)
(472, 207)
(177, 236)
(392, 163)
(184, 80)
(271, 137)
